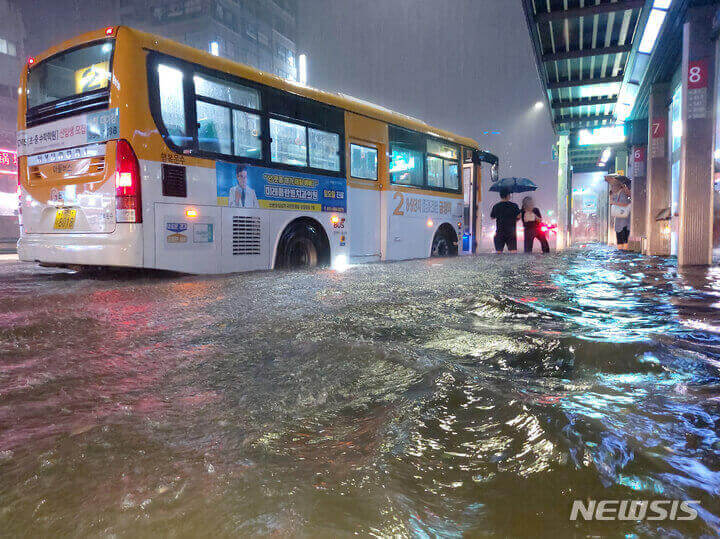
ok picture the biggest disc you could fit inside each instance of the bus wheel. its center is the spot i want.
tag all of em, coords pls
(445, 242)
(303, 244)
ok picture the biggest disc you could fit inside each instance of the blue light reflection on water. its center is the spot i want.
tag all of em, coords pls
(425, 398)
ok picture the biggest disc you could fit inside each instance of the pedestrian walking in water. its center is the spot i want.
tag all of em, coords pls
(506, 215)
(532, 221)
(620, 208)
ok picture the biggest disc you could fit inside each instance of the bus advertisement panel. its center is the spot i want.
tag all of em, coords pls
(250, 186)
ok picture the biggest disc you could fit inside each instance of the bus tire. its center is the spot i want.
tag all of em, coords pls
(303, 244)
(445, 242)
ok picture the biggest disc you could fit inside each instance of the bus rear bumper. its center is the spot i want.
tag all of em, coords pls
(124, 247)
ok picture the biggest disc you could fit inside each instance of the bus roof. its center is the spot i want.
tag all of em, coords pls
(190, 54)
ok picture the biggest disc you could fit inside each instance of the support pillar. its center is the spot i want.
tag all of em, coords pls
(658, 174)
(696, 183)
(638, 188)
(563, 195)
(603, 211)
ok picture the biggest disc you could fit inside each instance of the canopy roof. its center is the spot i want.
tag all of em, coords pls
(582, 49)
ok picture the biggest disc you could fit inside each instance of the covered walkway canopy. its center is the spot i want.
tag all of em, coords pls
(637, 78)
(583, 48)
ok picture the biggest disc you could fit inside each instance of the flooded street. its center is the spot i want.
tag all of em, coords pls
(475, 396)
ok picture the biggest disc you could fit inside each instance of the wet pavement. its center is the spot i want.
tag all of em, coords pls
(474, 396)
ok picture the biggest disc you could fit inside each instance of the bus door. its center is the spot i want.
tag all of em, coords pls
(367, 174)
(469, 207)
(472, 182)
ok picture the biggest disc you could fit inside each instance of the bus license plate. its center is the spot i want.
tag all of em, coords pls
(65, 219)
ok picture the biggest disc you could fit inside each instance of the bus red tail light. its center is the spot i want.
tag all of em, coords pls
(128, 204)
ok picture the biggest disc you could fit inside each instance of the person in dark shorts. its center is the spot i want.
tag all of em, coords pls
(532, 221)
(506, 214)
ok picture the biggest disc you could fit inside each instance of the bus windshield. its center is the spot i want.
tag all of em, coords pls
(70, 74)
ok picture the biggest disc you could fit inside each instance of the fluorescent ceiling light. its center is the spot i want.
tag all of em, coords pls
(602, 135)
(623, 111)
(662, 4)
(597, 90)
(652, 30)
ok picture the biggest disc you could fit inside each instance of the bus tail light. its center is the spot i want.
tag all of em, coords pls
(128, 205)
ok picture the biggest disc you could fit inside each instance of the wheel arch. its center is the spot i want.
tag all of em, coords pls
(447, 228)
(292, 221)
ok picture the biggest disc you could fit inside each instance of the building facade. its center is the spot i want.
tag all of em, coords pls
(11, 59)
(260, 33)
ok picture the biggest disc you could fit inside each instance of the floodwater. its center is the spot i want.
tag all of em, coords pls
(470, 396)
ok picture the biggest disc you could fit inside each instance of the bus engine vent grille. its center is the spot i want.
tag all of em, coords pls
(174, 181)
(246, 235)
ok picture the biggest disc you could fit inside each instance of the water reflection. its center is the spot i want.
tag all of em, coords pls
(465, 396)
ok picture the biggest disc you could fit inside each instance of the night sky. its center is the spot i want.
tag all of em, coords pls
(462, 65)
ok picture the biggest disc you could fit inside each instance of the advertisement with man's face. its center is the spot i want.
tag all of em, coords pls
(250, 186)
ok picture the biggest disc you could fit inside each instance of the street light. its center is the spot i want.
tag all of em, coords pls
(539, 105)
(302, 68)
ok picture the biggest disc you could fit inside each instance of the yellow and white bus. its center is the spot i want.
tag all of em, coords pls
(141, 152)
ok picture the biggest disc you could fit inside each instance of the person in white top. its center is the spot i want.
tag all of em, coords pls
(532, 221)
(242, 196)
(620, 204)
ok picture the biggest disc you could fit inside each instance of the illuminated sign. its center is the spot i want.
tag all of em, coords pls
(442, 149)
(94, 77)
(8, 162)
(602, 135)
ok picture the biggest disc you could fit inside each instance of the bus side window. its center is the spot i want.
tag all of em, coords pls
(452, 175)
(435, 171)
(225, 124)
(363, 162)
(247, 131)
(172, 103)
(324, 150)
(289, 143)
(213, 128)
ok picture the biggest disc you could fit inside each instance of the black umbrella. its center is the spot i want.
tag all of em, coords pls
(514, 185)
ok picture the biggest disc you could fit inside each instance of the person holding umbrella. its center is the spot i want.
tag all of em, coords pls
(506, 213)
(620, 207)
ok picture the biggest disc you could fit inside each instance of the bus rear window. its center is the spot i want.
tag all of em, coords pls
(70, 74)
